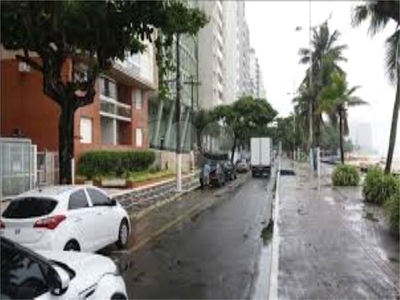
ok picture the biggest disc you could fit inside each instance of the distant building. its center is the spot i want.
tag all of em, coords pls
(361, 136)
(244, 51)
(261, 91)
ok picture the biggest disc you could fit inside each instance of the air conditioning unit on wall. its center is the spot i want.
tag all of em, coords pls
(23, 67)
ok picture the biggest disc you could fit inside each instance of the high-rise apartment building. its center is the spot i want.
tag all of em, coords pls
(231, 51)
(211, 56)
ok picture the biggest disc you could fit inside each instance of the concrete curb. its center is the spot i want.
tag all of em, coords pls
(274, 267)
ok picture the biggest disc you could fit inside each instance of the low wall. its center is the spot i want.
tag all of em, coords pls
(167, 160)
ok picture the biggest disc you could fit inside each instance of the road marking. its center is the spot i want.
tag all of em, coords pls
(273, 281)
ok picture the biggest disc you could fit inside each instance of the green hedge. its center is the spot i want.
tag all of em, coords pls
(379, 187)
(391, 209)
(114, 163)
(345, 175)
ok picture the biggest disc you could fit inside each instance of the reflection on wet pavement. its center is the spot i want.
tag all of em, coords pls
(213, 254)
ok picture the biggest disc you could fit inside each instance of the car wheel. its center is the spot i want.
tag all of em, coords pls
(118, 296)
(123, 234)
(72, 246)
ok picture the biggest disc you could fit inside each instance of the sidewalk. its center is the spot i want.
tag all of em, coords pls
(325, 245)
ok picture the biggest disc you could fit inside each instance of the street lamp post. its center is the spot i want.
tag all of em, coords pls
(310, 77)
(294, 120)
(310, 108)
(178, 119)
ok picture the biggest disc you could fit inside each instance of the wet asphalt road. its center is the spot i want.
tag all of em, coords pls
(212, 254)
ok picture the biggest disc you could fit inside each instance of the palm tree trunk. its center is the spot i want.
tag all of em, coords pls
(393, 130)
(341, 136)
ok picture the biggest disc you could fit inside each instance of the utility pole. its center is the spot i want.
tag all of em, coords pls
(178, 119)
(310, 108)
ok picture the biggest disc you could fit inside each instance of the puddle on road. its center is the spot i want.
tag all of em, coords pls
(370, 216)
(266, 233)
(330, 200)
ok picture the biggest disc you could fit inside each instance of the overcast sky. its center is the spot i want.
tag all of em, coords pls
(272, 35)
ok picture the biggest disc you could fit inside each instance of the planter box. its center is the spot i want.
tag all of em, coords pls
(135, 184)
(114, 182)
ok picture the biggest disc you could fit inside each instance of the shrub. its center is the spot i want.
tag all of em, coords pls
(391, 209)
(379, 187)
(114, 163)
(373, 184)
(345, 175)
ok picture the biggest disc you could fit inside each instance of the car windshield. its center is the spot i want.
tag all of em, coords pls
(29, 207)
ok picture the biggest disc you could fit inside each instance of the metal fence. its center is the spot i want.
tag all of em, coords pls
(47, 168)
(17, 166)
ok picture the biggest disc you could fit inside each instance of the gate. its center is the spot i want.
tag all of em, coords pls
(17, 166)
(47, 168)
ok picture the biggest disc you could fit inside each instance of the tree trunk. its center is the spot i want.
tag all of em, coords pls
(393, 130)
(341, 136)
(233, 150)
(66, 140)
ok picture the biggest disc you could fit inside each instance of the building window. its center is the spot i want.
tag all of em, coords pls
(86, 130)
(138, 99)
(108, 88)
(139, 137)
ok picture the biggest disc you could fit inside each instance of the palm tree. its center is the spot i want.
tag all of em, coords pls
(326, 56)
(380, 13)
(337, 98)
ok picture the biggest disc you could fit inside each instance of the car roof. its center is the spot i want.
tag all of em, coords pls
(52, 191)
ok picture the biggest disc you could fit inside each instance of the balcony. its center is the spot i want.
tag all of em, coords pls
(114, 109)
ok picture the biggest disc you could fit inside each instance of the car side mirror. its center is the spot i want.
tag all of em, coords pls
(113, 202)
(61, 281)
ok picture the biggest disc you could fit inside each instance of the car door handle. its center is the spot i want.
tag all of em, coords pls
(99, 213)
(78, 219)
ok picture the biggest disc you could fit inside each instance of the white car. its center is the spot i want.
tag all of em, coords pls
(57, 275)
(80, 218)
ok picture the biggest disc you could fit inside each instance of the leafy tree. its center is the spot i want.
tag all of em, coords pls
(329, 138)
(348, 145)
(285, 133)
(337, 98)
(380, 13)
(247, 117)
(90, 36)
(326, 56)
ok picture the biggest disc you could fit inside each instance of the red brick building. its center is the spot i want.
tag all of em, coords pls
(117, 119)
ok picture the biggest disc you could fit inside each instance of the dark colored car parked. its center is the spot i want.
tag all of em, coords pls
(230, 170)
(217, 174)
(212, 173)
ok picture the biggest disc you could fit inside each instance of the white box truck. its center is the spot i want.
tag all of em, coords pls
(260, 150)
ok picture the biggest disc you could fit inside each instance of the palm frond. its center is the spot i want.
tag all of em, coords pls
(392, 46)
(378, 12)
(355, 101)
(353, 89)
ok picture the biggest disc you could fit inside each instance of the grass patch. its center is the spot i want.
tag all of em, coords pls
(149, 175)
